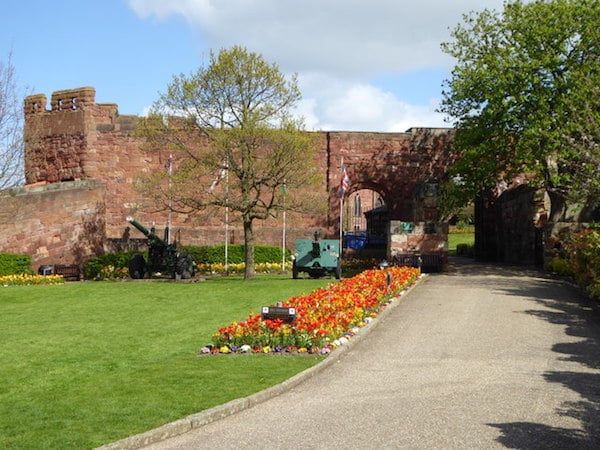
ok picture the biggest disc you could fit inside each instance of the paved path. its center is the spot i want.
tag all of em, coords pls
(477, 358)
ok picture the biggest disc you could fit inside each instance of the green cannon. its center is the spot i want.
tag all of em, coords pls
(317, 257)
(163, 257)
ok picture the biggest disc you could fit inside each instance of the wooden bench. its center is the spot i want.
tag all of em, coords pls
(427, 262)
(69, 272)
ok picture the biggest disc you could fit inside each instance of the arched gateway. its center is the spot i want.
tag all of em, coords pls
(402, 172)
(86, 153)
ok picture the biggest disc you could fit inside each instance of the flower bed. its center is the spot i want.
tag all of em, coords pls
(325, 318)
(26, 280)
(216, 268)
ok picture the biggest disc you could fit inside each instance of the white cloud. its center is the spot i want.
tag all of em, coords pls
(333, 104)
(342, 43)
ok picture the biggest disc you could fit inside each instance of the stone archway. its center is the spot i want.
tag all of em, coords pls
(402, 167)
(405, 169)
(365, 222)
(357, 205)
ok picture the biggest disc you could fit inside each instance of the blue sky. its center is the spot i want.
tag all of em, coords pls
(363, 65)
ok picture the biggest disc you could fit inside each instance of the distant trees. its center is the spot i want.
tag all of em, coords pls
(11, 127)
(230, 123)
(525, 97)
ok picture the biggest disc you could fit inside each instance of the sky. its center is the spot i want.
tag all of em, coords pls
(362, 65)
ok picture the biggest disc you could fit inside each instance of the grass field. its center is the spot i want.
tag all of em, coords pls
(84, 364)
(455, 239)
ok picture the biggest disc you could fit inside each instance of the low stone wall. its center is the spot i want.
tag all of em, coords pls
(58, 223)
(417, 237)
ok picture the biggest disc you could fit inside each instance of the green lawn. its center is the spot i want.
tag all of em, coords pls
(84, 364)
(455, 239)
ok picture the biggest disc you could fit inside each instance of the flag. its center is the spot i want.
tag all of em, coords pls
(219, 177)
(345, 181)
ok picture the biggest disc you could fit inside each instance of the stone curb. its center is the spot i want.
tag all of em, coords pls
(205, 417)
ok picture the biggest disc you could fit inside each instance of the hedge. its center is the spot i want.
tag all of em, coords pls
(93, 267)
(235, 254)
(580, 260)
(200, 254)
(583, 251)
(12, 264)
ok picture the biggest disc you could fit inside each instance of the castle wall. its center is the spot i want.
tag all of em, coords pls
(59, 223)
(78, 140)
(399, 166)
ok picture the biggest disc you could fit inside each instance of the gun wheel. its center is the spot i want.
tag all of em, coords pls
(184, 267)
(137, 266)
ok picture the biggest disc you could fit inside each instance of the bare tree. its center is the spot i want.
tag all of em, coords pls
(11, 127)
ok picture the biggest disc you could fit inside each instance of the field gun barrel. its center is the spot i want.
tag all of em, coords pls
(149, 234)
(163, 257)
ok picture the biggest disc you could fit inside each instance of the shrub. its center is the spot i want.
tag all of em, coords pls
(109, 263)
(209, 259)
(215, 254)
(560, 266)
(464, 250)
(583, 251)
(11, 264)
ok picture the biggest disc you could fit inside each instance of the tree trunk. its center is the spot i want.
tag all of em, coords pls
(249, 273)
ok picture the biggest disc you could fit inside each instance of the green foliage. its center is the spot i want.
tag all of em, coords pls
(583, 251)
(235, 254)
(102, 264)
(524, 96)
(560, 266)
(580, 260)
(242, 107)
(13, 264)
(465, 250)
(115, 265)
(461, 242)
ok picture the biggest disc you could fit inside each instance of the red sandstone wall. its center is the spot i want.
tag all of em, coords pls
(395, 165)
(78, 139)
(61, 223)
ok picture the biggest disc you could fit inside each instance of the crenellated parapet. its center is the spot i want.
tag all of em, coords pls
(64, 141)
(65, 100)
(72, 99)
(34, 104)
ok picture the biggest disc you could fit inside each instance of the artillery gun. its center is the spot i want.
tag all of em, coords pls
(163, 257)
(317, 257)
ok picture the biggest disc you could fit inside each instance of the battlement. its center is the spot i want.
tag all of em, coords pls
(66, 100)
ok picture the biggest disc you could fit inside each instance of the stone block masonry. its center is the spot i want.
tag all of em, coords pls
(93, 154)
(59, 223)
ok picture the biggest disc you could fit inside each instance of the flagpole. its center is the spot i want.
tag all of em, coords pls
(226, 217)
(170, 167)
(344, 185)
(341, 224)
(283, 232)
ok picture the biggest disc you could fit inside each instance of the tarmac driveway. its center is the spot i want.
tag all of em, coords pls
(479, 357)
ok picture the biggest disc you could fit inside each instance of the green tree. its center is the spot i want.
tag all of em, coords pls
(232, 120)
(524, 97)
